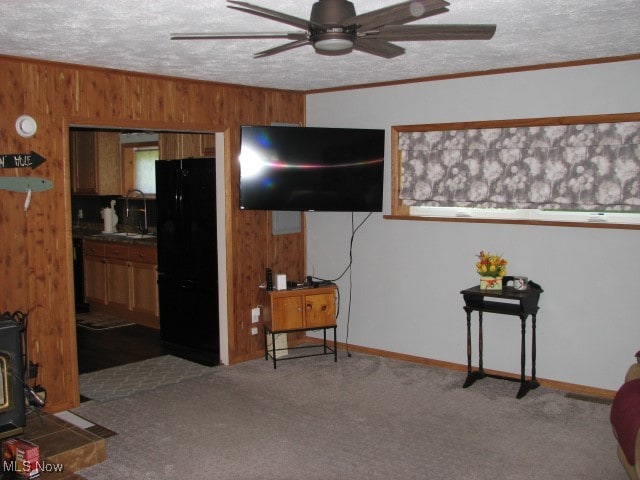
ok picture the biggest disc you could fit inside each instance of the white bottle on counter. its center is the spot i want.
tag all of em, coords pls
(109, 218)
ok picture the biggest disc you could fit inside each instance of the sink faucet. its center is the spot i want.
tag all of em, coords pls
(144, 209)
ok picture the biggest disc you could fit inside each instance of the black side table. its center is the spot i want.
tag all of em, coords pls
(508, 301)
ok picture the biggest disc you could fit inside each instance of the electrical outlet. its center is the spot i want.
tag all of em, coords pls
(80, 214)
(254, 330)
(33, 369)
(255, 315)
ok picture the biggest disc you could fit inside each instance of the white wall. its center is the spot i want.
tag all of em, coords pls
(407, 275)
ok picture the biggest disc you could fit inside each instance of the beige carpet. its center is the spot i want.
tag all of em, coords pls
(364, 417)
(101, 321)
(136, 377)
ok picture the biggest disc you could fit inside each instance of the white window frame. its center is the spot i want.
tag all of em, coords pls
(526, 215)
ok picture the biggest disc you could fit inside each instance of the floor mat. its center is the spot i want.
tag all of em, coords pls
(101, 321)
(125, 380)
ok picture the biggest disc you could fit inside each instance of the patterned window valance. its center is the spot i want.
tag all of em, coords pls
(593, 167)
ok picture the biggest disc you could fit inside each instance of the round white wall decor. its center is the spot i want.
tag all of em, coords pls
(26, 126)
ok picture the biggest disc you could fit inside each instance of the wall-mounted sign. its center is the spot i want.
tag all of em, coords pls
(20, 160)
(25, 184)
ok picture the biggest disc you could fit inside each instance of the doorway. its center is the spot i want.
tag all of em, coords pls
(104, 348)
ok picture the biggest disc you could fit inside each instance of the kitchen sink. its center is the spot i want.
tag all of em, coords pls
(126, 235)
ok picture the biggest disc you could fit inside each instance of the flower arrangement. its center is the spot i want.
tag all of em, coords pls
(491, 265)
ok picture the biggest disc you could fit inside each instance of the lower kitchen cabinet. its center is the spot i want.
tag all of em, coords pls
(122, 279)
(95, 284)
(144, 300)
(118, 272)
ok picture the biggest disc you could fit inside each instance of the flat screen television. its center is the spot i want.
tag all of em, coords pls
(311, 169)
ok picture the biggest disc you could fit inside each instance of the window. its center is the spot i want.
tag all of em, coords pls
(138, 167)
(573, 169)
(144, 176)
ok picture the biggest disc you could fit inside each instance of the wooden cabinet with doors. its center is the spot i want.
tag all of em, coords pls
(299, 309)
(95, 162)
(116, 259)
(122, 279)
(185, 145)
(296, 311)
(95, 273)
(144, 283)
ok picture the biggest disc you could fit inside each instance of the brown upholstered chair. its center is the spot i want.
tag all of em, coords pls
(625, 420)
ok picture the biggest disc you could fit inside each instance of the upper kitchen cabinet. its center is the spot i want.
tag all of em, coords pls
(185, 145)
(95, 162)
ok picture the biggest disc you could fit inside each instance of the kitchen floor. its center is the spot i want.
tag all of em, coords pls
(100, 349)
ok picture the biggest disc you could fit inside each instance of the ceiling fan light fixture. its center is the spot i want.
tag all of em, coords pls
(334, 29)
(334, 42)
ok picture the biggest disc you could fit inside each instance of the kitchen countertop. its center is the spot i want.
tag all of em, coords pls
(88, 233)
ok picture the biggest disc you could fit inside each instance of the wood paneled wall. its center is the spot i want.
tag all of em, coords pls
(35, 245)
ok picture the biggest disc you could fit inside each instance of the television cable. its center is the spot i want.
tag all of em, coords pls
(354, 230)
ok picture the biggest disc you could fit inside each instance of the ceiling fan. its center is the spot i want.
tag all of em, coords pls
(335, 29)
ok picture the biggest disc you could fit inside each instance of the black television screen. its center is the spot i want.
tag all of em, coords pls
(311, 169)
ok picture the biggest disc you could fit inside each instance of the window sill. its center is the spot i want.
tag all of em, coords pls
(546, 223)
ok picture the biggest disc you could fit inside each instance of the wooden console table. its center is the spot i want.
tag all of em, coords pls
(508, 301)
(299, 310)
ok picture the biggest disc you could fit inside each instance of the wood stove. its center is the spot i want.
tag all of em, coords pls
(12, 401)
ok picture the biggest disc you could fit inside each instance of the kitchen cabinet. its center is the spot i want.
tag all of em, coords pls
(122, 279)
(184, 145)
(95, 162)
(299, 309)
(117, 275)
(144, 282)
(95, 274)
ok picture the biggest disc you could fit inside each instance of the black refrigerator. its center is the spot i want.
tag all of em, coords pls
(187, 258)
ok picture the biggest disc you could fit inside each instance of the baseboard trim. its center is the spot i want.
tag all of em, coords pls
(582, 390)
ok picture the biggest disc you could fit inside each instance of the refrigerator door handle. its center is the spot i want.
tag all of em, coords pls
(179, 203)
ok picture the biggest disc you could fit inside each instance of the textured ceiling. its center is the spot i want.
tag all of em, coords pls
(134, 35)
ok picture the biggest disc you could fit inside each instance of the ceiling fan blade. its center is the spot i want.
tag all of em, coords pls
(398, 14)
(378, 47)
(399, 33)
(282, 48)
(271, 14)
(238, 35)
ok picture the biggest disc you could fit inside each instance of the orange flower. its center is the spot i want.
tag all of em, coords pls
(491, 265)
